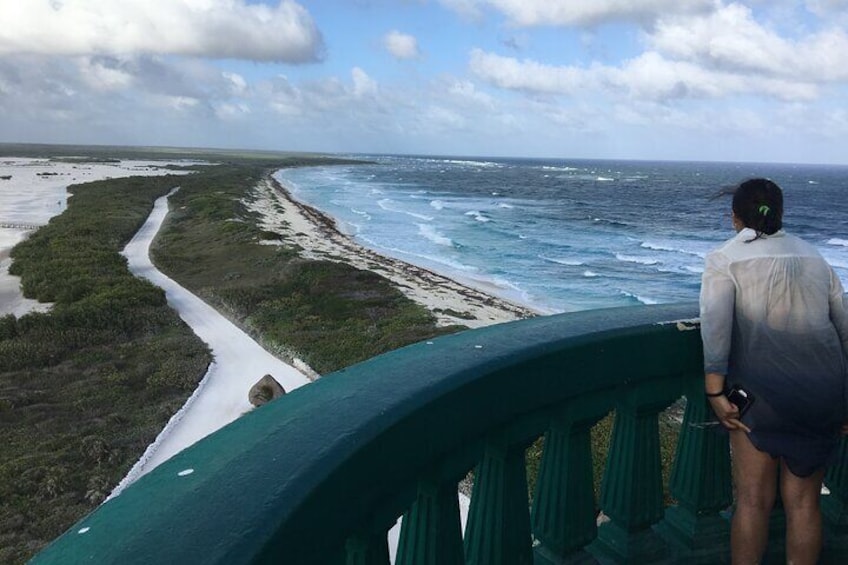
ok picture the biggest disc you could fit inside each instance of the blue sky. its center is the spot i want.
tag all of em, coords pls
(762, 80)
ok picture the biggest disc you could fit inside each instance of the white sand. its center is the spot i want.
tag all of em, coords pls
(34, 192)
(450, 301)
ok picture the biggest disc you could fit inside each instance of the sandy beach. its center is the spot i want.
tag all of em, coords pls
(316, 233)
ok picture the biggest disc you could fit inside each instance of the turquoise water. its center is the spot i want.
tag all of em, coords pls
(563, 235)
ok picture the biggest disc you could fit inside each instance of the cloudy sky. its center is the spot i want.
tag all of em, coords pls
(760, 80)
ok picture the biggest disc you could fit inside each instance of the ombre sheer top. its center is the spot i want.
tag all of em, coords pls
(773, 320)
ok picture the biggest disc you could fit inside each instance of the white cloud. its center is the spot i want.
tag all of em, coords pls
(731, 39)
(573, 13)
(443, 118)
(464, 92)
(526, 75)
(323, 100)
(401, 45)
(103, 74)
(226, 111)
(653, 77)
(200, 28)
(238, 86)
(649, 76)
(363, 85)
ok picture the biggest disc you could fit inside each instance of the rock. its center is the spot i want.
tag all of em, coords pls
(265, 390)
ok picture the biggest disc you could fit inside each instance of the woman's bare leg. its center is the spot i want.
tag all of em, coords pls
(755, 479)
(801, 498)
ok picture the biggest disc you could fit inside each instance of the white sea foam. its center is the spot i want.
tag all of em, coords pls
(437, 204)
(642, 299)
(837, 263)
(636, 259)
(567, 262)
(565, 169)
(837, 241)
(671, 249)
(431, 234)
(479, 216)
(487, 164)
(386, 204)
(590, 274)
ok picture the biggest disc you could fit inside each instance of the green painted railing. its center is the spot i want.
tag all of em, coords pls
(320, 475)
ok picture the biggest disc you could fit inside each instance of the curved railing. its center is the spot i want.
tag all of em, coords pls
(320, 475)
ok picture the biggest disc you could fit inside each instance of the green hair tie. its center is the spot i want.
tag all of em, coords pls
(764, 210)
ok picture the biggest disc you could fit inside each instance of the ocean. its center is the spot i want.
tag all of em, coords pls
(563, 235)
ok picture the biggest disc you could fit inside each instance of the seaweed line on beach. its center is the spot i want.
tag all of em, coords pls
(464, 304)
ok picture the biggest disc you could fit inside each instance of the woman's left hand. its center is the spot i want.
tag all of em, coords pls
(727, 413)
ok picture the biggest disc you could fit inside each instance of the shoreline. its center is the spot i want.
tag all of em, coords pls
(317, 234)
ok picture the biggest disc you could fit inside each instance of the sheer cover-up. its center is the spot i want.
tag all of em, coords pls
(773, 321)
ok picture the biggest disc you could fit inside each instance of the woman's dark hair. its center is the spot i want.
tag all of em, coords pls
(758, 203)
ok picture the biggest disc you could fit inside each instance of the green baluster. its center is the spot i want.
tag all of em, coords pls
(368, 549)
(564, 511)
(835, 508)
(431, 533)
(631, 491)
(700, 482)
(498, 528)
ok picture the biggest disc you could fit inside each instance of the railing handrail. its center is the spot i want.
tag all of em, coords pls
(298, 476)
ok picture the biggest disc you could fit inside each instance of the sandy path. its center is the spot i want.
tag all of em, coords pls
(238, 363)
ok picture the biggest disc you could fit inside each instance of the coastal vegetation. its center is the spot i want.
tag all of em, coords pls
(86, 387)
(325, 313)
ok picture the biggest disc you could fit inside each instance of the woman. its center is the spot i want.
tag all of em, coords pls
(773, 322)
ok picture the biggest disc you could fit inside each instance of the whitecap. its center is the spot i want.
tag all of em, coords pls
(487, 164)
(641, 299)
(477, 215)
(386, 204)
(431, 234)
(590, 274)
(671, 249)
(838, 241)
(567, 262)
(635, 259)
(437, 204)
(551, 168)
